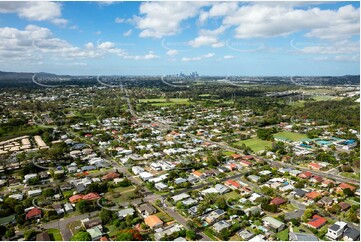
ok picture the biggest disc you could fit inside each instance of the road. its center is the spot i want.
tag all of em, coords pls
(62, 224)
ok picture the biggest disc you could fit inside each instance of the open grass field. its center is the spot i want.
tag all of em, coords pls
(283, 235)
(120, 194)
(350, 175)
(13, 134)
(55, 234)
(232, 195)
(113, 231)
(255, 144)
(290, 135)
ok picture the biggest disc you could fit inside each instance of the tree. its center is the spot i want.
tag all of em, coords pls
(307, 214)
(48, 192)
(106, 216)
(10, 232)
(29, 234)
(81, 236)
(83, 206)
(347, 192)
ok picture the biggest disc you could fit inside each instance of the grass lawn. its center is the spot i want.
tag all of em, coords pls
(210, 234)
(283, 235)
(351, 175)
(14, 134)
(227, 152)
(120, 194)
(75, 226)
(290, 135)
(289, 207)
(113, 231)
(55, 235)
(235, 237)
(164, 217)
(255, 144)
(232, 195)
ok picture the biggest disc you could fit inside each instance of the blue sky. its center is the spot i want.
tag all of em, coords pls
(155, 38)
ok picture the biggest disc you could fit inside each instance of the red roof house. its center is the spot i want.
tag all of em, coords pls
(343, 186)
(33, 213)
(278, 201)
(110, 176)
(314, 166)
(248, 157)
(232, 184)
(305, 175)
(317, 222)
(312, 195)
(91, 196)
(245, 163)
(236, 156)
(76, 198)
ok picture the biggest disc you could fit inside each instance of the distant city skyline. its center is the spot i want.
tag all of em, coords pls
(162, 38)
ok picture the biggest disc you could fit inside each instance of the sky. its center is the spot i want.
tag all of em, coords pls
(162, 38)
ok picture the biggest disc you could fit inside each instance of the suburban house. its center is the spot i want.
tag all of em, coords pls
(122, 214)
(305, 175)
(351, 234)
(343, 186)
(110, 176)
(232, 184)
(91, 196)
(312, 195)
(336, 230)
(146, 209)
(153, 222)
(273, 224)
(316, 222)
(278, 201)
(44, 236)
(76, 198)
(314, 166)
(302, 237)
(33, 213)
(219, 226)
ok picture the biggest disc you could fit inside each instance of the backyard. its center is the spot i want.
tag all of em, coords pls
(255, 144)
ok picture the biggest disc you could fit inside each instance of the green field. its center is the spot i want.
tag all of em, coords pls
(113, 231)
(290, 135)
(120, 194)
(232, 195)
(55, 234)
(350, 175)
(255, 144)
(283, 235)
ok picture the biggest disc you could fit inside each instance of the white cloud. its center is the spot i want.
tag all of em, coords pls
(89, 45)
(149, 56)
(265, 20)
(106, 45)
(127, 33)
(227, 57)
(161, 19)
(60, 22)
(98, 32)
(331, 48)
(36, 43)
(218, 10)
(35, 11)
(119, 20)
(198, 58)
(172, 52)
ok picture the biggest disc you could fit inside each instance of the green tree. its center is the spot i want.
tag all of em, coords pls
(29, 234)
(10, 232)
(81, 236)
(106, 216)
(191, 235)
